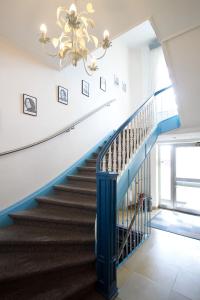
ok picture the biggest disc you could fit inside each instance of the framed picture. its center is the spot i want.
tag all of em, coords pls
(62, 95)
(124, 87)
(103, 84)
(116, 80)
(29, 105)
(85, 88)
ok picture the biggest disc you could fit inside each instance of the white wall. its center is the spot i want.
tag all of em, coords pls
(140, 81)
(24, 172)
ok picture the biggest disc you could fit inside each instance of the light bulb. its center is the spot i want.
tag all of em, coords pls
(62, 46)
(106, 34)
(94, 61)
(73, 9)
(43, 28)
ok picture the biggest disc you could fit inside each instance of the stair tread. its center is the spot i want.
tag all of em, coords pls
(82, 178)
(64, 291)
(61, 216)
(70, 187)
(87, 168)
(57, 287)
(93, 296)
(13, 266)
(64, 202)
(19, 234)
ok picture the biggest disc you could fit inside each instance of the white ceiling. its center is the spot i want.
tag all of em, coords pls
(139, 35)
(20, 19)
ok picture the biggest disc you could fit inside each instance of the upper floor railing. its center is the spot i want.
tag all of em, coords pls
(116, 154)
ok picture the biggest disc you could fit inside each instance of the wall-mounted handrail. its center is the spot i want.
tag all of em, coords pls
(60, 132)
(114, 136)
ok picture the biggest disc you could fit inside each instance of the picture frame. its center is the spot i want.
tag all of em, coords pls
(29, 105)
(62, 95)
(85, 88)
(103, 84)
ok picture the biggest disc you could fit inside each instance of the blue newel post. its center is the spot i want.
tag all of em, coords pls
(106, 234)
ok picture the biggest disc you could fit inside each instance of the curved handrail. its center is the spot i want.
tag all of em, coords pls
(60, 132)
(114, 136)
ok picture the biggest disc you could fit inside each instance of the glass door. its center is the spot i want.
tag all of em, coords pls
(187, 179)
(179, 177)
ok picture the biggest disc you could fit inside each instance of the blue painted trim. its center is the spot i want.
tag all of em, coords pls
(106, 234)
(129, 174)
(30, 202)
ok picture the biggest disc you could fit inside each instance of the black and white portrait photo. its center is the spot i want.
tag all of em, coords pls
(29, 105)
(85, 88)
(103, 84)
(62, 95)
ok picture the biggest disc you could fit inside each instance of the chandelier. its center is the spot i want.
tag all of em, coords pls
(75, 43)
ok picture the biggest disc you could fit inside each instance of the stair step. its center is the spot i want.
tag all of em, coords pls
(51, 286)
(82, 178)
(89, 169)
(28, 238)
(82, 183)
(62, 217)
(67, 203)
(14, 266)
(70, 188)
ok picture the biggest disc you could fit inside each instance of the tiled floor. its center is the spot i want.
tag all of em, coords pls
(165, 267)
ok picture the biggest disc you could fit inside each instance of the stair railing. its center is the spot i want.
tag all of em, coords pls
(112, 162)
(134, 213)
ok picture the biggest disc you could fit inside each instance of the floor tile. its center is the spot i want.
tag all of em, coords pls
(188, 285)
(176, 296)
(137, 287)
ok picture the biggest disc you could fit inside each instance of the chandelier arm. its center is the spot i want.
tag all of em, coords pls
(102, 56)
(86, 70)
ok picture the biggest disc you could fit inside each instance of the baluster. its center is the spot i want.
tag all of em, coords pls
(110, 159)
(127, 143)
(145, 121)
(140, 131)
(119, 153)
(134, 136)
(143, 124)
(124, 150)
(104, 163)
(114, 156)
(131, 141)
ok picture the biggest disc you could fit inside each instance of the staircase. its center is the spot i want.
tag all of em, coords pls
(49, 251)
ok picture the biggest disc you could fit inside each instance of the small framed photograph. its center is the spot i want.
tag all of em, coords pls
(124, 87)
(85, 88)
(62, 95)
(29, 105)
(116, 80)
(103, 84)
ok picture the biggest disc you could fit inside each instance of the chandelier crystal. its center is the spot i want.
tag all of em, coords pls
(75, 43)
